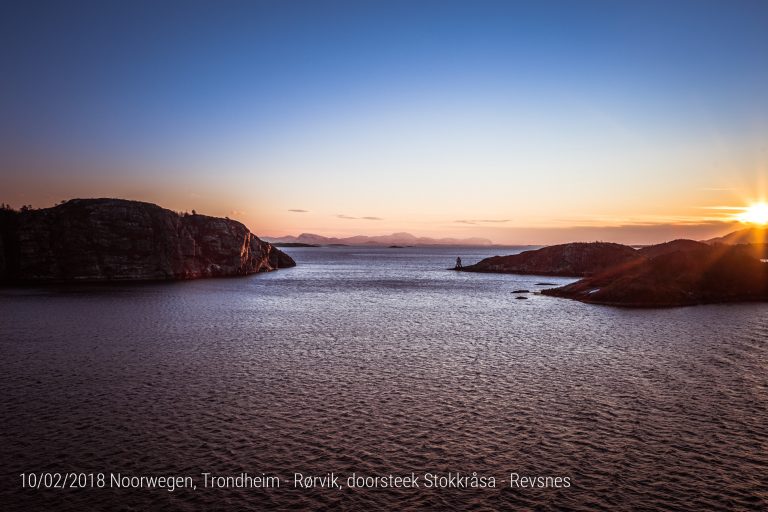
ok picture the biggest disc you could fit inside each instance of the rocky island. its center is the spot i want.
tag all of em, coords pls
(565, 260)
(120, 240)
(700, 275)
(677, 273)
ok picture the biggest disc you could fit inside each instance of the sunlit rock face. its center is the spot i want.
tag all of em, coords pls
(115, 240)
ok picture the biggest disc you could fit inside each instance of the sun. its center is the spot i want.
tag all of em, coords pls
(755, 214)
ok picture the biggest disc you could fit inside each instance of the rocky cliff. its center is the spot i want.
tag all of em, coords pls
(568, 260)
(118, 240)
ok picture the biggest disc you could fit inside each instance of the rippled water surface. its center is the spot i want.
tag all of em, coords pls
(379, 361)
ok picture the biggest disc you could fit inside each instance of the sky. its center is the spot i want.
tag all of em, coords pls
(522, 122)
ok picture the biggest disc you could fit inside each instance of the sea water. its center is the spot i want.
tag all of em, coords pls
(378, 363)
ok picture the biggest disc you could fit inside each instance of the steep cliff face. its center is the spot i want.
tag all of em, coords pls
(574, 259)
(114, 239)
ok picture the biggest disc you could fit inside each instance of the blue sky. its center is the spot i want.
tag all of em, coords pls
(543, 115)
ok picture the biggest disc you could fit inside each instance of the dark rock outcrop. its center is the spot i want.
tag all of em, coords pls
(700, 275)
(567, 260)
(119, 240)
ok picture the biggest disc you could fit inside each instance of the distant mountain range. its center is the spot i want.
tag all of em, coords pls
(385, 240)
(752, 235)
(743, 236)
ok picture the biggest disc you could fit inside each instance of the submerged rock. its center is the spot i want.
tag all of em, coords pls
(120, 240)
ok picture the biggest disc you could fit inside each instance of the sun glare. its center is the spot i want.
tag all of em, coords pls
(755, 214)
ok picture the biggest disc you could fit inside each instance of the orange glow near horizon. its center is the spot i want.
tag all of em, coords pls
(508, 210)
(756, 213)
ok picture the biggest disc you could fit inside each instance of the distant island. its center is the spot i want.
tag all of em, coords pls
(567, 260)
(85, 240)
(399, 239)
(293, 244)
(677, 273)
